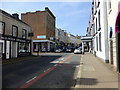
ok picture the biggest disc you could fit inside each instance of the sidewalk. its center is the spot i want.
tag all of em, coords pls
(93, 73)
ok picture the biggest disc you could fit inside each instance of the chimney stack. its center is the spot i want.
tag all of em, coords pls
(15, 15)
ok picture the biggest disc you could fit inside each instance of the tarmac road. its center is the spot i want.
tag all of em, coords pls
(47, 71)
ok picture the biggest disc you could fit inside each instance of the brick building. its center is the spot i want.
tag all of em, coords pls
(43, 24)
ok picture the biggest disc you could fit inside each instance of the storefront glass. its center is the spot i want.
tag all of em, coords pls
(24, 47)
(1, 50)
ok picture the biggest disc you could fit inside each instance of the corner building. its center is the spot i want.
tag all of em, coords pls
(43, 24)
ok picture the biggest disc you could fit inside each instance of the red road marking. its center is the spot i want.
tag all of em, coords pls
(26, 85)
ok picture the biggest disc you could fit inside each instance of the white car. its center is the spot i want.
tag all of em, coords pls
(58, 50)
(78, 50)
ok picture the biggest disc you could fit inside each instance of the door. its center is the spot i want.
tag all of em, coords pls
(118, 50)
(7, 49)
(1, 50)
(14, 49)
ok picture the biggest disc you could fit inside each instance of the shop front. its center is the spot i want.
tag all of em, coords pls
(43, 46)
(15, 47)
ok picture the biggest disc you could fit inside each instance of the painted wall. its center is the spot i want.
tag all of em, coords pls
(112, 16)
(8, 26)
(103, 54)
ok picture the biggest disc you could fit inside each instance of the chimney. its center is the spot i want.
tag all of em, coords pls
(46, 8)
(15, 15)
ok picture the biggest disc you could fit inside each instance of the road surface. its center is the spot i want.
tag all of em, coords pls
(56, 70)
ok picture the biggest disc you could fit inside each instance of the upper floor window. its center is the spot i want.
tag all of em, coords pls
(14, 31)
(98, 3)
(96, 25)
(2, 29)
(24, 34)
(99, 21)
(109, 6)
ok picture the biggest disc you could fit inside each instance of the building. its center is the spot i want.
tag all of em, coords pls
(15, 36)
(65, 39)
(113, 13)
(99, 30)
(73, 40)
(60, 37)
(43, 24)
(104, 28)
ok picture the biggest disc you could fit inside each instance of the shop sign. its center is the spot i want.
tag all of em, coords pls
(20, 40)
(41, 37)
(8, 38)
(111, 32)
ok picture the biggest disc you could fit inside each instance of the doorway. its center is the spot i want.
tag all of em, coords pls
(118, 41)
(14, 49)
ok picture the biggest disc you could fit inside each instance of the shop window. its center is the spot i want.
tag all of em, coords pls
(35, 47)
(14, 31)
(2, 24)
(24, 47)
(24, 34)
(1, 50)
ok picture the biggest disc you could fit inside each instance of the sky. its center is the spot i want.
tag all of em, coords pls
(73, 17)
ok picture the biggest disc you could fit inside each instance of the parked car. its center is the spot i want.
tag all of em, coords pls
(78, 50)
(58, 50)
(68, 50)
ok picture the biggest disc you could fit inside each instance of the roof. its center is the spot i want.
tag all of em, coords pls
(9, 15)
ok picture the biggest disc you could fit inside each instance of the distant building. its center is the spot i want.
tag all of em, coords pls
(74, 40)
(43, 24)
(66, 39)
(16, 36)
(60, 36)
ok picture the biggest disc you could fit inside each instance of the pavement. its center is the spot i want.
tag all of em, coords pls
(94, 74)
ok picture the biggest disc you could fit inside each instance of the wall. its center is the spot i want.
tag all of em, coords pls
(37, 20)
(8, 26)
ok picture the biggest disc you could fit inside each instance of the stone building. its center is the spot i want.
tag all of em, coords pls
(16, 36)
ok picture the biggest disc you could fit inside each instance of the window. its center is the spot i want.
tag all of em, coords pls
(109, 4)
(24, 47)
(1, 48)
(14, 31)
(24, 33)
(99, 25)
(93, 29)
(98, 3)
(2, 29)
(97, 43)
(100, 42)
(96, 25)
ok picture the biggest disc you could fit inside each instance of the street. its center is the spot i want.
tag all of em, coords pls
(46, 71)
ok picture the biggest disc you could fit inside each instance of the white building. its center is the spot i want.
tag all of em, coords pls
(104, 27)
(113, 12)
(99, 29)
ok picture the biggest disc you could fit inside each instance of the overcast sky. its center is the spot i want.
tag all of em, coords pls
(70, 16)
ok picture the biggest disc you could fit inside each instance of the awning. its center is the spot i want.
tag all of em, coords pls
(43, 41)
(86, 38)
